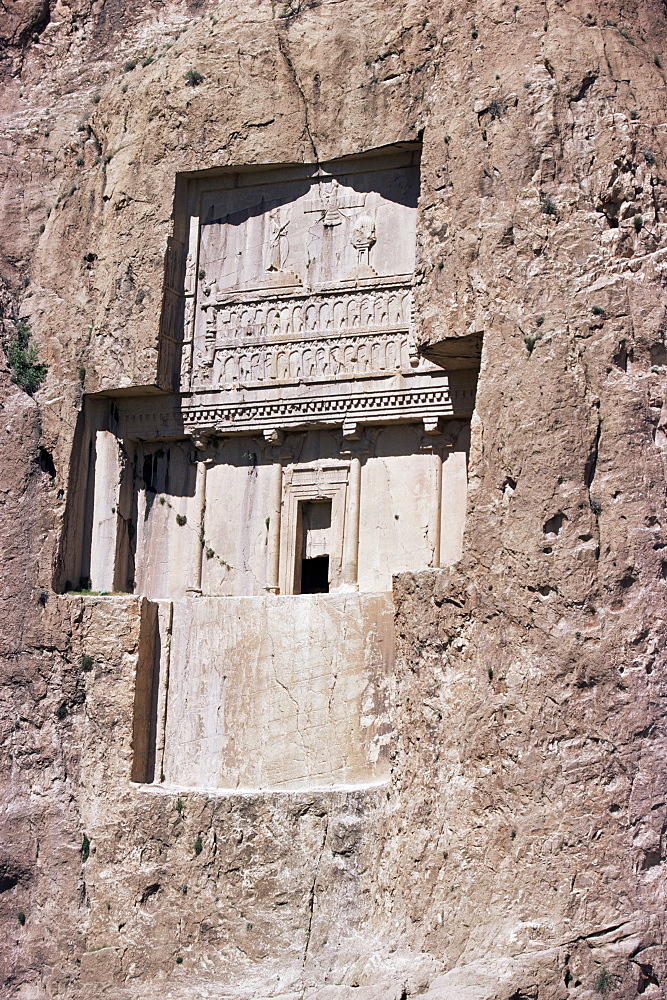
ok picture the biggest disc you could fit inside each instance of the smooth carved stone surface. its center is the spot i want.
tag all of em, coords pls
(278, 692)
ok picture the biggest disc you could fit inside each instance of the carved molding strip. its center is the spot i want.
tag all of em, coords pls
(308, 315)
(330, 358)
(330, 410)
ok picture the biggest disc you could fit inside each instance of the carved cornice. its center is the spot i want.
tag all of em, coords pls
(351, 406)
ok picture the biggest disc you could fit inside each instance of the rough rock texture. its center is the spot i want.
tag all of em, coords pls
(518, 851)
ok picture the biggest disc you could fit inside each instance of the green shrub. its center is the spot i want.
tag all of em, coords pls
(547, 205)
(87, 663)
(181, 519)
(199, 847)
(638, 223)
(597, 310)
(193, 78)
(85, 848)
(129, 65)
(20, 916)
(603, 981)
(27, 371)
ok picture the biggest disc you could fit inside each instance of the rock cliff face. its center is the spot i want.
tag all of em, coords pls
(518, 850)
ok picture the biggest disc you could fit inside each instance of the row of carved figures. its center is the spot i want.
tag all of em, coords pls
(346, 356)
(315, 314)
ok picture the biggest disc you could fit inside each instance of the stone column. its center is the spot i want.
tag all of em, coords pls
(454, 498)
(105, 512)
(200, 508)
(436, 508)
(273, 566)
(351, 537)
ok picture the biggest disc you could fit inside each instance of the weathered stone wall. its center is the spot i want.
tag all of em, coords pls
(518, 850)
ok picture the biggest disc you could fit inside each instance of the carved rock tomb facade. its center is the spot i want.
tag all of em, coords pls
(303, 454)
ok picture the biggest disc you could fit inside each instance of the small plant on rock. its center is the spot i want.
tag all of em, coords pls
(87, 663)
(638, 223)
(603, 981)
(199, 847)
(27, 371)
(548, 205)
(181, 519)
(597, 310)
(193, 78)
(85, 849)
(20, 916)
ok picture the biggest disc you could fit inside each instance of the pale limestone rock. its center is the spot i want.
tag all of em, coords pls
(517, 850)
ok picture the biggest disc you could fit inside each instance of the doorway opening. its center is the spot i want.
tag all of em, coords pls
(315, 543)
(315, 575)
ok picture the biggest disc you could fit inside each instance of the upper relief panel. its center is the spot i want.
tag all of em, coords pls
(335, 229)
(287, 272)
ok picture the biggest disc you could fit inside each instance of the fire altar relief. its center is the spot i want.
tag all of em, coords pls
(306, 454)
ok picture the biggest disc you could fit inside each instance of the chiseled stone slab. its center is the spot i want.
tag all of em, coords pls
(278, 692)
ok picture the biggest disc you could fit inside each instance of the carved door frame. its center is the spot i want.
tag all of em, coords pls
(324, 480)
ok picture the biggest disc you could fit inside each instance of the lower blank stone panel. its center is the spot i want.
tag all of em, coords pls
(275, 692)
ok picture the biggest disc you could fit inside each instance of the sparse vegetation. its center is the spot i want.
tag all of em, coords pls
(179, 806)
(547, 205)
(87, 663)
(530, 343)
(638, 223)
(179, 960)
(96, 99)
(603, 981)
(648, 156)
(61, 711)
(85, 849)
(193, 78)
(597, 310)
(539, 321)
(27, 371)
(129, 65)
(634, 115)
(199, 847)
(147, 61)
(82, 374)
(20, 916)
(181, 519)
